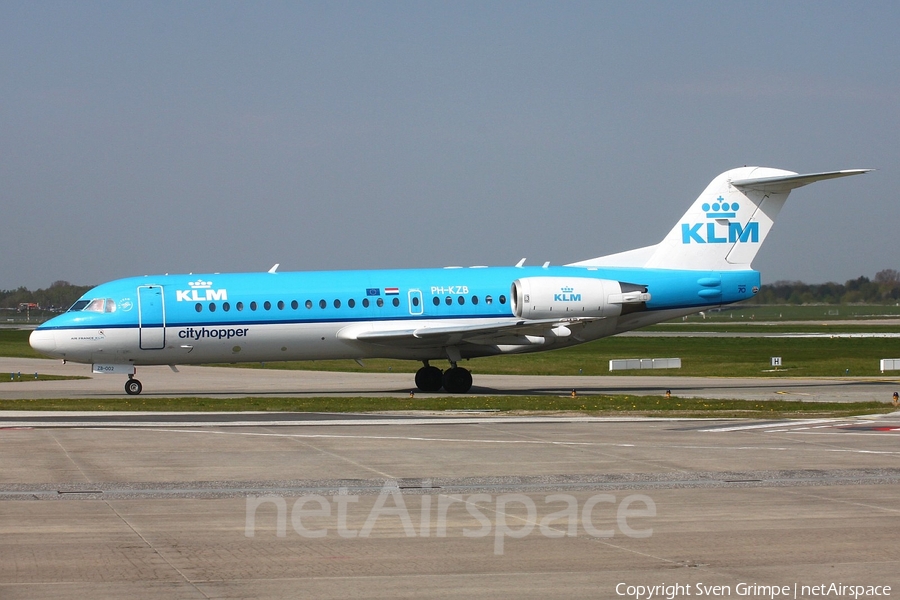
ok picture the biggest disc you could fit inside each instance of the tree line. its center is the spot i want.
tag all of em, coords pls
(883, 289)
(60, 295)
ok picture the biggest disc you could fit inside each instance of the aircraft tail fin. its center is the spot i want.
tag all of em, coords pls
(726, 225)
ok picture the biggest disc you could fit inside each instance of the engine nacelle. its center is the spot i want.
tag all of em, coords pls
(572, 297)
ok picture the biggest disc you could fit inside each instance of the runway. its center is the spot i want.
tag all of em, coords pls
(450, 505)
(466, 506)
(228, 382)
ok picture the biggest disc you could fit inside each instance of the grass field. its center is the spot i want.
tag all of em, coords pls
(711, 357)
(792, 312)
(739, 357)
(587, 405)
(719, 357)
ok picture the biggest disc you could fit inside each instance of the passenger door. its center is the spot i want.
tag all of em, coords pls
(151, 317)
(416, 307)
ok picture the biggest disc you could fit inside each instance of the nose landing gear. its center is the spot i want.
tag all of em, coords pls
(133, 387)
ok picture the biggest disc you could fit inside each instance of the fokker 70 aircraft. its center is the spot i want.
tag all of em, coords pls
(429, 314)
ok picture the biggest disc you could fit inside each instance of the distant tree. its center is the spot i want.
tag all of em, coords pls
(61, 294)
(888, 276)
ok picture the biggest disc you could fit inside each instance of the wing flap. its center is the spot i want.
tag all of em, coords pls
(475, 333)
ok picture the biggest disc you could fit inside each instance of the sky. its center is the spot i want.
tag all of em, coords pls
(196, 137)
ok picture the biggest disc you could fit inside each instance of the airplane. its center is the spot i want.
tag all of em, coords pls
(451, 314)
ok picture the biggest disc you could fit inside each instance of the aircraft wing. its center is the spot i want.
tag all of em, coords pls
(490, 332)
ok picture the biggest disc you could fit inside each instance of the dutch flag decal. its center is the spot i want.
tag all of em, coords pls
(392, 291)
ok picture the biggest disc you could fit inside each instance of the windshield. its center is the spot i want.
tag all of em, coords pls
(96, 305)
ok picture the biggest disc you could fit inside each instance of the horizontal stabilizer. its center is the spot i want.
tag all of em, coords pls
(786, 183)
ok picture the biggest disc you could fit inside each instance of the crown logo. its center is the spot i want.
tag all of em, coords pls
(200, 284)
(567, 290)
(720, 209)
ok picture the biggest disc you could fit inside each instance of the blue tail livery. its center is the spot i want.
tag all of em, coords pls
(430, 314)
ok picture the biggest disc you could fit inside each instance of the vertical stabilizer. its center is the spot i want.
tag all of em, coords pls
(727, 224)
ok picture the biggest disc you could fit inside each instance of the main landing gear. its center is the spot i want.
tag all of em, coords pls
(455, 380)
(133, 387)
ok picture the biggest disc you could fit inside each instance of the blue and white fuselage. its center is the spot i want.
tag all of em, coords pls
(185, 319)
(429, 314)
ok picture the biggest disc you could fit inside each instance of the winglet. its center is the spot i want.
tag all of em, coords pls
(274, 268)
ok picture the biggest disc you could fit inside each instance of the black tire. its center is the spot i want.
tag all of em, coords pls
(429, 379)
(133, 387)
(457, 380)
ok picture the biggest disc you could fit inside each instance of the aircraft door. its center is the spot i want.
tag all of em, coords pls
(416, 306)
(151, 317)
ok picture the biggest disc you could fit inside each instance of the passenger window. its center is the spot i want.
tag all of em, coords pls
(488, 300)
(436, 301)
(396, 302)
(502, 299)
(415, 301)
(449, 300)
(365, 303)
(309, 304)
(198, 307)
(379, 302)
(337, 303)
(461, 300)
(351, 303)
(253, 305)
(212, 307)
(295, 305)
(226, 307)
(322, 304)
(281, 305)
(239, 306)
(474, 299)
(267, 305)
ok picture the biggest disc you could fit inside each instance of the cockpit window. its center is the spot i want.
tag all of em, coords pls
(79, 305)
(96, 305)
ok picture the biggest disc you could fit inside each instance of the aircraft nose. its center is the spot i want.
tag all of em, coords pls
(43, 341)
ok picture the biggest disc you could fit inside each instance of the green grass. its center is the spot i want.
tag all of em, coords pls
(773, 327)
(808, 357)
(721, 357)
(587, 405)
(26, 377)
(14, 344)
(791, 312)
(711, 357)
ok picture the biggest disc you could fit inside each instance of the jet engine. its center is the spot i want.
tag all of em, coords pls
(573, 297)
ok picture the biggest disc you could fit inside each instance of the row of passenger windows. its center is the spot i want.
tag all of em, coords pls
(351, 303)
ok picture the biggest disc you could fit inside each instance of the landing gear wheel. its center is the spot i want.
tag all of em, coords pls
(133, 387)
(457, 380)
(429, 379)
